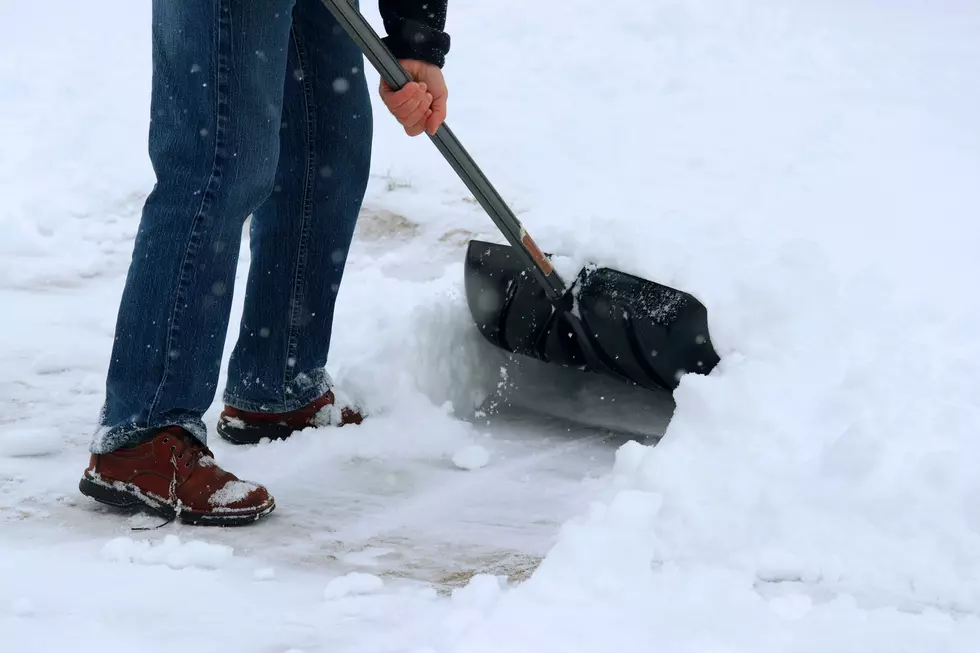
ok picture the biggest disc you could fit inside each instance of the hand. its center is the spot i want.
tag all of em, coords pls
(420, 105)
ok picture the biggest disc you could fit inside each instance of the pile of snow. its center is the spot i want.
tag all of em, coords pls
(481, 593)
(433, 433)
(603, 589)
(19, 441)
(170, 551)
(819, 490)
(472, 457)
(353, 583)
(264, 573)
(22, 607)
(67, 191)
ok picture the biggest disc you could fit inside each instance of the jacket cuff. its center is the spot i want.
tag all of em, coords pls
(410, 39)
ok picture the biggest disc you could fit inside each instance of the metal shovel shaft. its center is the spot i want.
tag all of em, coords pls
(446, 142)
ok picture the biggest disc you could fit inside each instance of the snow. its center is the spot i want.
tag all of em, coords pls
(481, 593)
(22, 608)
(472, 457)
(808, 170)
(264, 573)
(353, 583)
(29, 442)
(169, 551)
(368, 557)
(232, 492)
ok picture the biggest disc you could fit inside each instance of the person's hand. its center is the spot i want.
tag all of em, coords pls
(420, 105)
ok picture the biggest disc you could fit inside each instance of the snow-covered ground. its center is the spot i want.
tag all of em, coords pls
(808, 169)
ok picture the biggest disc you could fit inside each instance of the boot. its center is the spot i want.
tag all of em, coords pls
(243, 427)
(175, 476)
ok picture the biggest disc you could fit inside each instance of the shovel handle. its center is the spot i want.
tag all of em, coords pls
(446, 142)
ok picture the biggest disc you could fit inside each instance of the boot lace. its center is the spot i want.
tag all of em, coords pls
(186, 451)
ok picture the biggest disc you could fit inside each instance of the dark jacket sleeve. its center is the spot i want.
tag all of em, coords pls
(415, 29)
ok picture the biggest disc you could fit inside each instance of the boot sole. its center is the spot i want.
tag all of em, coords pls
(118, 497)
(252, 434)
(255, 433)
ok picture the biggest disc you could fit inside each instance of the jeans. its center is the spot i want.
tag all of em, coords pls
(261, 108)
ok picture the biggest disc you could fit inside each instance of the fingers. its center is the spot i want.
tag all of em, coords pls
(410, 105)
(414, 111)
(419, 106)
(402, 99)
(415, 124)
(437, 114)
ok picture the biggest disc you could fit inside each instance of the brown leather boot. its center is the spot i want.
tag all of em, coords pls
(244, 427)
(175, 476)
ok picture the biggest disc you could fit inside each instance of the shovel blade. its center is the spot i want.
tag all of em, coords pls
(619, 325)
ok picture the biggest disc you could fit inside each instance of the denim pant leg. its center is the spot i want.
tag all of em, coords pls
(301, 235)
(217, 84)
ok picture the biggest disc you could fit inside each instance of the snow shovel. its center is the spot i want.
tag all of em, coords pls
(606, 321)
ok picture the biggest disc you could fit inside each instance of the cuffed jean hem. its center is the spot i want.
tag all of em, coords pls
(300, 392)
(108, 439)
